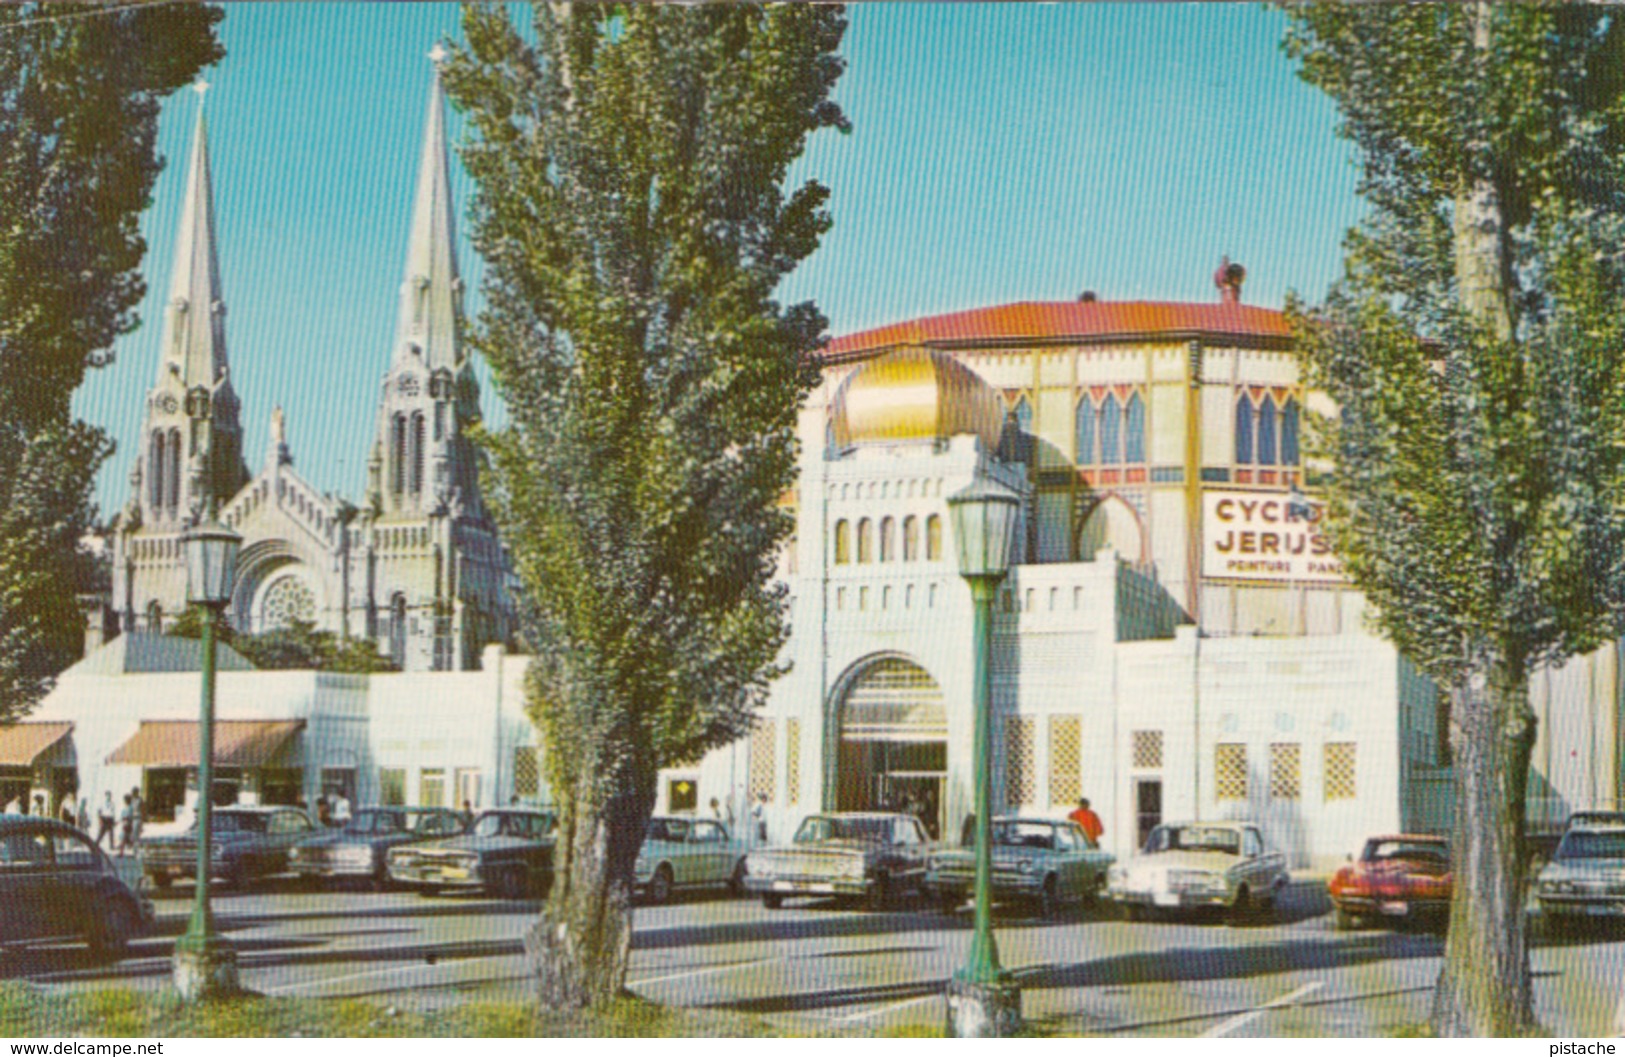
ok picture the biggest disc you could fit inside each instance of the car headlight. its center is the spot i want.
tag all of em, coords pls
(355, 856)
(1024, 866)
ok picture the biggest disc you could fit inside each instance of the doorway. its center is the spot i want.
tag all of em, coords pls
(893, 748)
(1147, 808)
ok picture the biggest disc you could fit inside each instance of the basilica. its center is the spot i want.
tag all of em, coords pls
(416, 566)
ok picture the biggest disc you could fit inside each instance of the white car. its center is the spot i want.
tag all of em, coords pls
(1585, 879)
(1190, 865)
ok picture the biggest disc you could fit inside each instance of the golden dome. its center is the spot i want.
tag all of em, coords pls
(915, 395)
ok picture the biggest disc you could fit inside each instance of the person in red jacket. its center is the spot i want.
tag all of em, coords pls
(1087, 820)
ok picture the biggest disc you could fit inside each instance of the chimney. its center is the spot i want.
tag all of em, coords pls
(1087, 296)
(1228, 279)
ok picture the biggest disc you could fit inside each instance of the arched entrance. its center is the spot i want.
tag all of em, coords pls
(892, 753)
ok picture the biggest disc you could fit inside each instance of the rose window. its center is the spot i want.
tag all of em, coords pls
(287, 600)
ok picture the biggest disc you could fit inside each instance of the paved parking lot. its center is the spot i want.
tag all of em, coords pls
(825, 967)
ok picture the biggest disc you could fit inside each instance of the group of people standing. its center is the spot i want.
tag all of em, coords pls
(119, 829)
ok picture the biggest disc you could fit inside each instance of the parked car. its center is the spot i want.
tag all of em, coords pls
(507, 852)
(1593, 819)
(56, 884)
(874, 857)
(360, 851)
(682, 852)
(1199, 864)
(1038, 861)
(248, 843)
(1585, 879)
(1400, 876)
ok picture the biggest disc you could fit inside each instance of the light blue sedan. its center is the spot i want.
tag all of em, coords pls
(681, 852)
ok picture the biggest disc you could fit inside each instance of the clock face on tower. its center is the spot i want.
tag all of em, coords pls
(408, 385)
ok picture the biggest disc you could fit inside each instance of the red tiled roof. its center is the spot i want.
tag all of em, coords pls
(22, 744)
(1082, 321)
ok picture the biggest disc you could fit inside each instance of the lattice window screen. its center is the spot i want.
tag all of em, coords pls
(1148, 749)
(1065, 759)
(1286, 771)
(762, 778)
(1230, 771)
(1018, 761)
(1339, 771)
(527, 772)
(792, 760)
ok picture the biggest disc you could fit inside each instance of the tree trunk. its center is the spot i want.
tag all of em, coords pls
(1483, 989)
(1483, 265)
(580, 947)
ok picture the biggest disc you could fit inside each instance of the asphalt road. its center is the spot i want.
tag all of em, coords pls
(825, 967)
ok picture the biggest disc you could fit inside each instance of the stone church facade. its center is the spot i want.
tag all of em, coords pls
(416, 566)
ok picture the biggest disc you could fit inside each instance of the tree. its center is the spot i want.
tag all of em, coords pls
(629, 169)
(299, 645)
(79, 94)
(1476, 354)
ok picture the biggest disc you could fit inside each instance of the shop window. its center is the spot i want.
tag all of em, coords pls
(392, 786)
(1339, 770)
(1230, 771)
(432, 787)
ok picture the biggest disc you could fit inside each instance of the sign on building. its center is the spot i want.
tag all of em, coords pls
(1265, 536)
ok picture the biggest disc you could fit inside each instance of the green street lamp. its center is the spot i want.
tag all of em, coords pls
(205, 964)
(983, 1000)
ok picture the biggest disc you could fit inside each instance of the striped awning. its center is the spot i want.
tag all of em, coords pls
(237, 743)
(23, 743)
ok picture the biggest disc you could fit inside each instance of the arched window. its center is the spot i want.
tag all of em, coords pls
(417, 453)
(1266, 432)
(155, 616)
(397, 454)
(888, 540)
(174, 481)
(157, 466)
(1111, 428)
(866, 541)
(440, 420)
(911, 538)
(397, 630)
(1289, 434)
(933, 538)
(1134, 430)
(843, 542)
(1244, 430)
(1086, 430)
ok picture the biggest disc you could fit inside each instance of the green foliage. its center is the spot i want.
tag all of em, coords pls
(79, 98)
(300, 645)
(629, 170)
(1478, 480)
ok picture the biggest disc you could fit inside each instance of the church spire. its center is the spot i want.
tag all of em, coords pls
(431, 292)
(194, 341)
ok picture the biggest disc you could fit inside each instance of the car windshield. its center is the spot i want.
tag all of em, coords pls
(433, 823)
(1195, 838)
(823, 827)
(669, 829)
(1024, 834)
(238, 822)
(513, 824)
(1413, 850)
(375, 822)
(1597, 818)
(1593, 844)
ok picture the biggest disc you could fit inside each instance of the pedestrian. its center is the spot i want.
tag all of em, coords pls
(758, 816)
(66, 814)
(724, 814)
(83, 818)
(1087, 821)
(341, 808)
(324, 810)
(126, 827)
(39, 805)
(468, 814)
(105, 817)
(137, 815)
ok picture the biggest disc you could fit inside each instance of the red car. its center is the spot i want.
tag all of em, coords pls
(1404, 876)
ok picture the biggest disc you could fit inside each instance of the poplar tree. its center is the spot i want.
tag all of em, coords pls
(80, 87)
(1476, 354)
(630, 167)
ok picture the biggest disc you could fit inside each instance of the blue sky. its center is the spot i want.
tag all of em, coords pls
(998, 153)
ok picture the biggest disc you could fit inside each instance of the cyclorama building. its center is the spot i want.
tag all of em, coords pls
(1175, 640)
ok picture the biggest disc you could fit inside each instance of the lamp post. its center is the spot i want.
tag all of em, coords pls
(983, 1000)
(206, 965)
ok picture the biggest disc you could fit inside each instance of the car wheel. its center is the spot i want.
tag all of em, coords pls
(1091, 892)
(736, 883)
(772, 900)
(1346, 921)
(509, 884)
(878, 897)
(380, 880)
(1242, 907)
(1044, 904)
(660, 885)
(116, 924)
